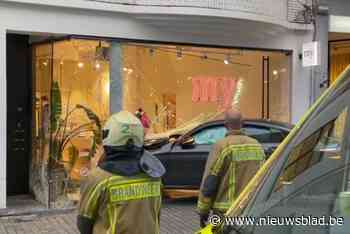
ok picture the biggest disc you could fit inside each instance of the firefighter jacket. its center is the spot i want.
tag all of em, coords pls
(232, 162)
(117, 198)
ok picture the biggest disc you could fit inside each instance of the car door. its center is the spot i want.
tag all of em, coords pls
(312, 183)
(185, 162)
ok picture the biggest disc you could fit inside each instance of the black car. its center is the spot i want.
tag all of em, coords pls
(184, 156)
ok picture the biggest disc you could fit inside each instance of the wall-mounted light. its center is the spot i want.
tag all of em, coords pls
(97, 65)
(275, 72)
(45, 63)
(80, 65)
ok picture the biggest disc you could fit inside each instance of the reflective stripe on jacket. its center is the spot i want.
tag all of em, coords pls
(121, 205)
(231, 164)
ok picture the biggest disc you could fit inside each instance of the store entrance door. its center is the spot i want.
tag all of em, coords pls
(18, 114)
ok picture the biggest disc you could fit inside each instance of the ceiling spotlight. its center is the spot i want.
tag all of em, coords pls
(80, 65)
(227, 60)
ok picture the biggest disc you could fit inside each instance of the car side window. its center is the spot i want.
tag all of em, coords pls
(313, 183)
(312, 150)
(210, 135)
(277, 135)
(265, 134)
(261, 134)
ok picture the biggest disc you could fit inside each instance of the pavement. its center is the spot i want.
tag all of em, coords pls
(177, 216)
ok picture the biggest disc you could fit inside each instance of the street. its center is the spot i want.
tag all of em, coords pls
(176, 217)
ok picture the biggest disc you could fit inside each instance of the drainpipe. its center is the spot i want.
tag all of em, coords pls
(319, 74)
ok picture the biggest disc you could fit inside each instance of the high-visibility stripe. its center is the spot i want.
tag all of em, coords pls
(244, 152)
(93, 195)
(221, 205)
(232, 180)
(203, 206)
(133, 191)
(91, 206)
(111, 219)
(115, 218)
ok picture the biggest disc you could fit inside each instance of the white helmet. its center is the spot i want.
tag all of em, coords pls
(122, 127)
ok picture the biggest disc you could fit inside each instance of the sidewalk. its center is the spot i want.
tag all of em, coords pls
(176, 217)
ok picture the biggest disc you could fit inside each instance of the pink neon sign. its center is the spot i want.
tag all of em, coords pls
(220, 90)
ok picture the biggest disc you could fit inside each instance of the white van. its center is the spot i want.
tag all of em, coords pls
(304, 187)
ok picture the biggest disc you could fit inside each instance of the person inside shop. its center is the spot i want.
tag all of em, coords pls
(122, 194)
(146, 122)
(232, 162)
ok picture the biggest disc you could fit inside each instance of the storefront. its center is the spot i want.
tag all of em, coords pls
(128, 57)
(177, 86)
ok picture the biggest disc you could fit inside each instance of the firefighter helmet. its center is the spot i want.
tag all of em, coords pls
(122, 128)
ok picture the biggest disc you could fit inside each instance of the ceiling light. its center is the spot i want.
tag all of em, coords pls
(80, 65)
(98, 65)
(227, 60)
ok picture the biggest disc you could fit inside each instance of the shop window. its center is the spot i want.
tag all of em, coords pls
(72, 102)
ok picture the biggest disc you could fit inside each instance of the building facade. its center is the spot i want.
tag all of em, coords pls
(183, 33)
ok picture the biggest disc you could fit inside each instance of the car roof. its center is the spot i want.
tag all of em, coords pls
(260, 122)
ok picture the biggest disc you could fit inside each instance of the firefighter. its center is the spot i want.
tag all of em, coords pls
(123, 194)
(231, 164)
